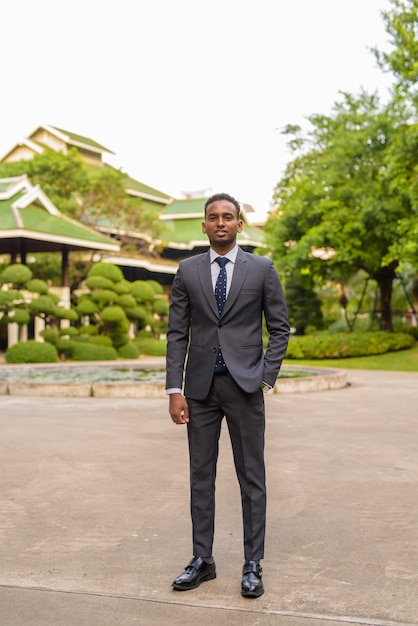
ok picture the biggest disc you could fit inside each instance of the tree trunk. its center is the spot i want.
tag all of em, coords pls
(384, 278)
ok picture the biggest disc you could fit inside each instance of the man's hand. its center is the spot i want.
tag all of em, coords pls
(178, 408)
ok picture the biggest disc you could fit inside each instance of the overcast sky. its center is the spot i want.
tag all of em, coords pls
(190, 95)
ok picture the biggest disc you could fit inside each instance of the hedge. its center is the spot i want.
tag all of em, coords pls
(31, 351)
(91, 352)
(344, 345)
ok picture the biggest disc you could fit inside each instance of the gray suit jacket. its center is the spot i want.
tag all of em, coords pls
(196, 330)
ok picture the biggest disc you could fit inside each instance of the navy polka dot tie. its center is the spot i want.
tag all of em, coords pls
(220, 295)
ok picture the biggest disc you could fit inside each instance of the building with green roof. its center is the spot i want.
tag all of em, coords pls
(30, 222)
(181, 220)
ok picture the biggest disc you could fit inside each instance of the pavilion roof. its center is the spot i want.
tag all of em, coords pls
(27, 214)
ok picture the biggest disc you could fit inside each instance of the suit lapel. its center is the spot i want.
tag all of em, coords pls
(238, 277)
(205, 277)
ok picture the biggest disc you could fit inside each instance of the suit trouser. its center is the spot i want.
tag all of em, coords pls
(245, 417)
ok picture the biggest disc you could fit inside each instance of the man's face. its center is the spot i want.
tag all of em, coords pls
(221, 225)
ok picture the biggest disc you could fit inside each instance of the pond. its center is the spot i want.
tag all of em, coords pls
(102, 373)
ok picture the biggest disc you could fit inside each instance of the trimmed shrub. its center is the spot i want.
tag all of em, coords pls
(122, 287)
(31, 352)
(108, 270)
(119, 338)
(99, 282)
(88, 329)
(100, 340)
(129, 351)
(150, 347)
(91, 352)
(65, 314)
(160, 306)
(9, 296)
(43, 304)
(157, 288)
(127, 301)
(16, 274)
(65, 347)
(344, 345)
(86, 306)
(18, 316)
(36, 285)
(105, 296)
(69, 331)
(142, 291)
(137, 313)
(51, 335)
(113, 314)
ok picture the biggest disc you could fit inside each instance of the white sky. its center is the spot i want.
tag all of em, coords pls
(190, 95)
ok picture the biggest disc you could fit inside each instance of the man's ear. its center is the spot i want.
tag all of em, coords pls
(240, 225)
(204, 228)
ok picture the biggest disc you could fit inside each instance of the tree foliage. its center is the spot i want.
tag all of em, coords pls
(348, 199)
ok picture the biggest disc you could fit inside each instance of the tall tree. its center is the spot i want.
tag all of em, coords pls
(334, 215)
(402, 159)
(401, 24)
(349, 199)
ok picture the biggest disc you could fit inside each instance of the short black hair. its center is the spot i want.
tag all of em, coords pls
(223, 196)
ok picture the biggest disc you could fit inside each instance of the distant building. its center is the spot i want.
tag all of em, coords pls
(181, 233)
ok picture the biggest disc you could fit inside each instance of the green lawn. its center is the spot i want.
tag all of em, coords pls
(402, 361)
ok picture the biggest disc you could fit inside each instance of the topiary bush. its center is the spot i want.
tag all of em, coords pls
(122, 287)
(142, 291)
(150, 346)
(105, 296)
(99, 282)
(31, 351)
(18, 316)
(69, 331)
(161, 307)
(86, 306)
(17, 274)
(100, 340)
(65, 347)
(113, 314)
(129, 351)
(91, 352)
(51, 335)
(108, 270)
(157, 288)
(344, 345)
(43, 304)
(36, 285)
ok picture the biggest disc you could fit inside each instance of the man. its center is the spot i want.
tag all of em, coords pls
(217, 303)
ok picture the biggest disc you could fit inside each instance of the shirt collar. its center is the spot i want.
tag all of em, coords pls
(231, 255)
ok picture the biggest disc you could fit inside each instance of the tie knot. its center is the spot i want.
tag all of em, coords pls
(221, 260)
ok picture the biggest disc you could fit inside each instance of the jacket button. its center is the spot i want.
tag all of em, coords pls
(214, 349)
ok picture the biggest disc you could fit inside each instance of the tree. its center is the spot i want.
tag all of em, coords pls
(402, 25)
(349, 199)
(402, 161)
(334, 214)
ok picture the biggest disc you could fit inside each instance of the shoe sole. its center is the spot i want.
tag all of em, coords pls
(210, 576)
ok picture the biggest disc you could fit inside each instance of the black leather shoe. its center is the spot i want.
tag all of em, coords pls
(251, 584)
(195, 573)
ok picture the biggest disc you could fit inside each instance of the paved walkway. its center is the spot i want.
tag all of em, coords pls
(94, 521)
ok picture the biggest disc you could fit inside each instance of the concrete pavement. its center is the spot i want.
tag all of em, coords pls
(94, 513)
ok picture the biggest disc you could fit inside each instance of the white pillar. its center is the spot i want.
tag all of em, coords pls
(12, 334)
(39, 327)
(23, 332)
